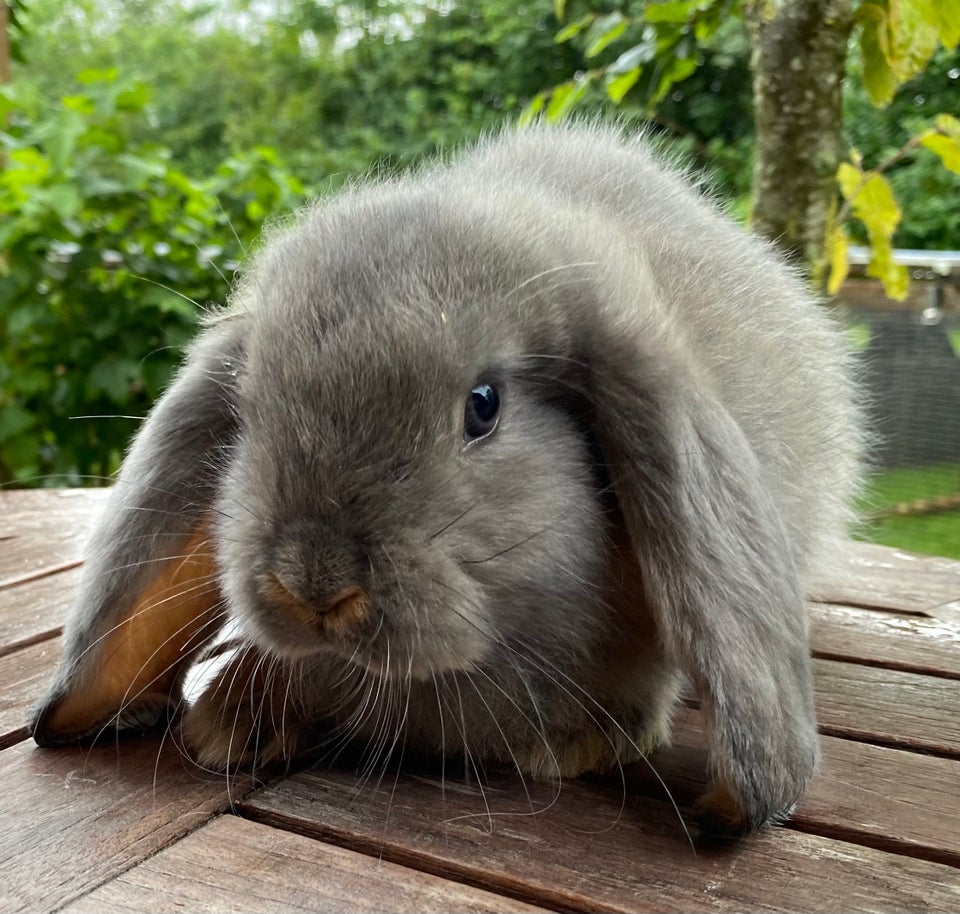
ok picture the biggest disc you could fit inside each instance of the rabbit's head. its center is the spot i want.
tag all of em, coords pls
(412, 482)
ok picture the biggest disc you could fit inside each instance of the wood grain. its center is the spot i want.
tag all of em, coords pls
(232, 864)
(890, 799)
(24, 675)
(36, 610)
(877, 576)
(588, 848)
(888, 707)
(74, 819)
(44, 530)
(897, 640)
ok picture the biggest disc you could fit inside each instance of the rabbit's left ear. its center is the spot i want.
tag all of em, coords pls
(149, 597)
(719, 571)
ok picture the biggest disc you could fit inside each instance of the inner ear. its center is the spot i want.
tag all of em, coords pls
(128, 677)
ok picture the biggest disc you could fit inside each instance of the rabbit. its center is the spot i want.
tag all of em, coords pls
(486, 460)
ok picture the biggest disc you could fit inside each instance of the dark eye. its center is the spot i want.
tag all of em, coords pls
(481, 412)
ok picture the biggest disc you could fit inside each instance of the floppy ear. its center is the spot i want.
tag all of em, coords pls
(719, 573)
(149, 597)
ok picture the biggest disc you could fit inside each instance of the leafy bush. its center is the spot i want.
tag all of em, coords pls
(108, 255)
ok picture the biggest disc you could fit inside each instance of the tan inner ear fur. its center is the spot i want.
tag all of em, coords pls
(142, 657)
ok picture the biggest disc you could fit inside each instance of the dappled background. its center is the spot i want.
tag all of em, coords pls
(143, 144)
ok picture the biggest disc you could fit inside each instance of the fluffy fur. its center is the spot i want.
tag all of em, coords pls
(675, 452)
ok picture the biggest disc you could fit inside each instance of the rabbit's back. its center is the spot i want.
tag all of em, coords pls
(747, 322)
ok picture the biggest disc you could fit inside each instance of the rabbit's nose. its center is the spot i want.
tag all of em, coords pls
(334, 614)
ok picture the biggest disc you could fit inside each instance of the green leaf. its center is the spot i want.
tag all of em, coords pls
(604, 32)
(113, 377)
(565, 97)
(60, 141)
(559, 9)
(677, 70)
(574, 28)
(92, 76)
(533, 108)
(134, 98)
(618, 87)
(672, 10)
(558, 99)
(632, 58)
(14, 420)
(63, 199)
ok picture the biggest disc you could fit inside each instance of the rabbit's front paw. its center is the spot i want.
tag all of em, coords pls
(244, 717)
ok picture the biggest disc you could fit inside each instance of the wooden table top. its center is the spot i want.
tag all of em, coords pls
(130, 826)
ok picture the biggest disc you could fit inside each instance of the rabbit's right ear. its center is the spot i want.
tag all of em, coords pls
(149, 596)
(715, 558)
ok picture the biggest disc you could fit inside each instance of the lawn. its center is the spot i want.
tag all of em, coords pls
(936, 533)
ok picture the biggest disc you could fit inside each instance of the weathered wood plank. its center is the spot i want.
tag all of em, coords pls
(888, 707)
(44, 530)
(897, 640)
(232, 864)
(74, 819)
(587, 848)
(877, 576)
(24, 675)
(37, 609)
(890, 799)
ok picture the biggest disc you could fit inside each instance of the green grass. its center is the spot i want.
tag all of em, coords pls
(934, 534)
(858, 336)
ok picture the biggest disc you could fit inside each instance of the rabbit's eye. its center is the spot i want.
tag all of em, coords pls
(481, 412)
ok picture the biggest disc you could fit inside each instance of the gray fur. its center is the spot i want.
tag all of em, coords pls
(668, 386)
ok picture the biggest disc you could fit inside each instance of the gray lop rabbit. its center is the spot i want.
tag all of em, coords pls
(485, 460)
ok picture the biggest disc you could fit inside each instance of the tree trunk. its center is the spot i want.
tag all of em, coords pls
(799, 52)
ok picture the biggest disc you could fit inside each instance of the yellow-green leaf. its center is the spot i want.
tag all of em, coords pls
(879, 78)
(894, 276)
(620, 85)
(897, 39)
(849, 179)
(948, 124)
(944, 140)
(914, 35)
(947, 147)
(559, 9)
(837, 246)
(949, 23)
(872, 201)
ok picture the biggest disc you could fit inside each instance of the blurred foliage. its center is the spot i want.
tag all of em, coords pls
(109, 253)
(926, 191)
(111, 191)
(899, 39)
(15, 9)
(645, 51)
